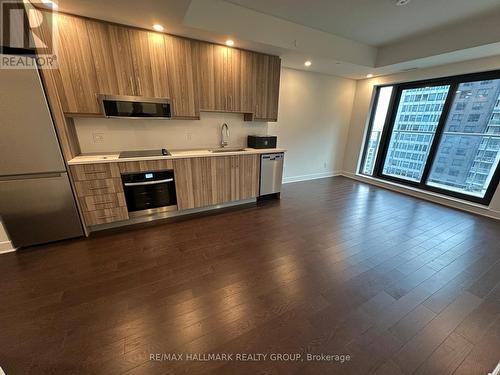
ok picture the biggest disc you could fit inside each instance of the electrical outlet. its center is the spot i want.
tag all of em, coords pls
(98, 137)
(189, 136)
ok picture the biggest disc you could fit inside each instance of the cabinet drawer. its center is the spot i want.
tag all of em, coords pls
(98, 187)
(145, 166)
(86, 172)
(99, 202)
(105, 216)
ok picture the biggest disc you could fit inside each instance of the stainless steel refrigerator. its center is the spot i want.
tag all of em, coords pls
(36, 199)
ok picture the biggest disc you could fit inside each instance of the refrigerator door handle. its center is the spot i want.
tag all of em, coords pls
(30, 176)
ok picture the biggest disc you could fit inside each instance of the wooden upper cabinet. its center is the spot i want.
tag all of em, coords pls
(224, 78)
(203, 69)
(149, 59)
(266, 90)
(78, 81)
(121, 56)
(246, 71)
(273, 88)
(111, 54)
(102, 58)
(210, 76)
(129, 61)
(181, 77)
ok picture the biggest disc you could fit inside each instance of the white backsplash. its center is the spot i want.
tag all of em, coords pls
(107, 135)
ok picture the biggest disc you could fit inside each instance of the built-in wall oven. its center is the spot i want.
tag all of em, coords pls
(149, 192)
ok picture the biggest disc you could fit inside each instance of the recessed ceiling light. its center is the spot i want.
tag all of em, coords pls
(308, 63)
(49, 4)
(158, 27)
(400, 3)
(230, 42)
(369, 75)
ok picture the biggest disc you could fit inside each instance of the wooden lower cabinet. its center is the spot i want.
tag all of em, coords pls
(102, 201)
(107, 215)
(200, 182)
(100, 193)
(145, 166)
(89, 172)
(212, 180)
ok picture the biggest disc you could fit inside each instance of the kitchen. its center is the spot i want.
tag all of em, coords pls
(249, 186)
(164, 85)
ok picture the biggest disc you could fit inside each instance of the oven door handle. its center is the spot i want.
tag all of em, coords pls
(148, 182)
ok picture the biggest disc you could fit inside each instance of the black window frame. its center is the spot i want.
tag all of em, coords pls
(453, 82)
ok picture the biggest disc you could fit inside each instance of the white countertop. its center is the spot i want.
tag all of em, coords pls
(175, 154)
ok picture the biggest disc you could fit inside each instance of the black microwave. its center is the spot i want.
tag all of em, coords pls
(137, 107)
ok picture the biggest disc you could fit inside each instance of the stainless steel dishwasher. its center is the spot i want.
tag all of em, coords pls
(271, 173)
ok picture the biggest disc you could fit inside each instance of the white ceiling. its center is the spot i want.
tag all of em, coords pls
(339, 36)
(374, 22)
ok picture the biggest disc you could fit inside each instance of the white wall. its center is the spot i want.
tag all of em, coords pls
(313, 123)
(123, 134)
(314, 113)
(360, 116)
(5, 245)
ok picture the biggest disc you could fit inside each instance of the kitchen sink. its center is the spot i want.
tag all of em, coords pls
(227, 149)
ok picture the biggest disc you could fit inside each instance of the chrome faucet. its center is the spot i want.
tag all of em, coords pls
(224, 135)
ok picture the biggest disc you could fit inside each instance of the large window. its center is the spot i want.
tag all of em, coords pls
(441, 135)
(414, 128)
(377, 126)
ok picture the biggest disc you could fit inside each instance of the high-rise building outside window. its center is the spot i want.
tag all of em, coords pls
(442, 135)
(414, 133)
(478, 135)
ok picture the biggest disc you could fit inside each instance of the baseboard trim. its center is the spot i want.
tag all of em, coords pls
(313, 176)
(428, 196)
(6, 247)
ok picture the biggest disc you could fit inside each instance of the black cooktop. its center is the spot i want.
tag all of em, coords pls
(144, 153)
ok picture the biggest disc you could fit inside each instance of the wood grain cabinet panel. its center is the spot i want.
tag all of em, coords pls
(112, 57)
(85, 172)
(273, 88)
(104, 216)
(184, 186)
(210, 76)
(213, 180)
(149, 59)
(100, 192)
(121, 56)
(246, 70)
(98, 187)
(245, 176)
(181, 81)
(266, 87)
(103, 201)
(225, 78)
(78, 84)
(145, 166)
(104, 58)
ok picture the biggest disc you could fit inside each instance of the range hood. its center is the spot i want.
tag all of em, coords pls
(135, 107)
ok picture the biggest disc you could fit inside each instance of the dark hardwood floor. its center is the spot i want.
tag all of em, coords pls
(400, 285)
